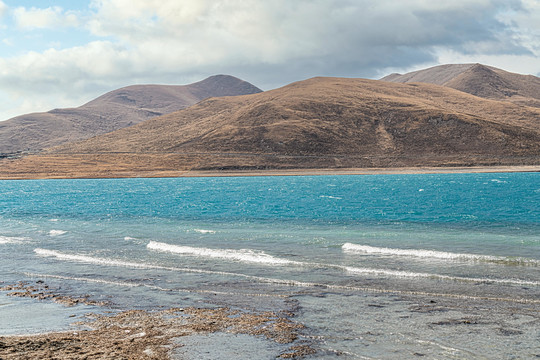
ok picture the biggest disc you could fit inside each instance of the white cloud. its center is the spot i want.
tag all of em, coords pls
(269, 43)
(255, 31)
(35, 18)
(526, 25)
(3, 8)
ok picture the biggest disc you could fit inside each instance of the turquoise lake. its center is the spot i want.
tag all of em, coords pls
(375, 267)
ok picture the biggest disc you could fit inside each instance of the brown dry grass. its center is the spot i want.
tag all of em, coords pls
(112, 111)
(314, 124)
(480, 80)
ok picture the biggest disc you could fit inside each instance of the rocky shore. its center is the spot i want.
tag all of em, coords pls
(138, 334)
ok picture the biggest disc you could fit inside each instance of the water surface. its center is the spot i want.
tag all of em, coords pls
(372, 265)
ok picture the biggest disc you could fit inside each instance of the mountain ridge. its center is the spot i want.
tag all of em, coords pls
(319, 123)
(479, 80)
(111, 111)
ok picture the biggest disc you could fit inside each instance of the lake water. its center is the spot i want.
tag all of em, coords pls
(378, 266)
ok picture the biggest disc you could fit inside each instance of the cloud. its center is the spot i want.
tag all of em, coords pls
(269, 43)
(280, 32)
(35, 18)
(3, 8)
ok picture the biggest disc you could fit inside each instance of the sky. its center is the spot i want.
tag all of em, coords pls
(64, 53)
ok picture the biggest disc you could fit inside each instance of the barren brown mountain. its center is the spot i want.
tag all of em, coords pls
(480, 80)
(313, 124)
(117, 109)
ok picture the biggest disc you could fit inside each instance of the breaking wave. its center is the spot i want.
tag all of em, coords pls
(242, 255)
(347, 269)
(432, 254)
(203, 231)
(11, 239)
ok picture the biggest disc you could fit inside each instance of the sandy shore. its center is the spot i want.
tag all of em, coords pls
(274, 172)
(366, 171)
(137, 334)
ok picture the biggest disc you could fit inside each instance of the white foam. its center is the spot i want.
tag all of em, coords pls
(57, 232)
(129, 238)
(11, 239)
(409, 274)
(242, 255)
(351, 270)
(331, 197)
(111, 262)
(431, 254)
(87, 259)
(203, 231)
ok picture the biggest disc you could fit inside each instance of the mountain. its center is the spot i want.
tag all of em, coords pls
(480, 80)
(117, 109)
(312, 124)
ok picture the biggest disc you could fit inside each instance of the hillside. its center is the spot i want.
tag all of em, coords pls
(117, 109)
(312, 124)
(480, 80)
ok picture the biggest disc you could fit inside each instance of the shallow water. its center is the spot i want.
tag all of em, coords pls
(444, 266)
(21, 316)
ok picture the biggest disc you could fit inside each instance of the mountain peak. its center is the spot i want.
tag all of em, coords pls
(223, 85)
(114, 110)
(479, 80)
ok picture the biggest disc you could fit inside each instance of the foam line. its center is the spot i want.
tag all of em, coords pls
(405, 274)
(243, 255)
(111, 262)
(263, 258)
(352, 270)
(11, 239)
(431, 254)
(203, 231)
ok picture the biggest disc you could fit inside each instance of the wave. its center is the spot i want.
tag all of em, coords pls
(351, 270)
(242, 255)
(293, 283)
(128, 264)
(57, 232)
(11, 239)
(432, 254)
(203, 231)
(87, 259)
(331, 197)
(409, 274)
(251, 256)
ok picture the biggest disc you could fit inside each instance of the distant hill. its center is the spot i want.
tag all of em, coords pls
(312, 124)
(480, 80)
(117, 109)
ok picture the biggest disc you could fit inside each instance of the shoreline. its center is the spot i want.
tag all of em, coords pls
(161, 333)
(280, 172)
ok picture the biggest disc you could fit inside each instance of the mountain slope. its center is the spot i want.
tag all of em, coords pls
(117, 109)
(317, 123)
(480, 80)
